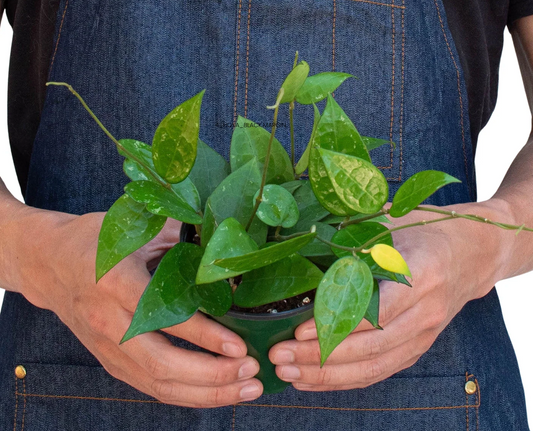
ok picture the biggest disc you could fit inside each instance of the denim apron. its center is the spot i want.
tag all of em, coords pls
(133, 62)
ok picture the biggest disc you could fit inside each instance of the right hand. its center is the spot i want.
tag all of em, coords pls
(52, 264)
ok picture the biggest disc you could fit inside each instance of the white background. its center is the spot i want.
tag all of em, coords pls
(498, 144)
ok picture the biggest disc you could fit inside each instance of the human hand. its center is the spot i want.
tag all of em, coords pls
(55, 269)
(451, 263)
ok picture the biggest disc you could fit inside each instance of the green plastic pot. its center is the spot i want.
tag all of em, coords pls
(261, 331)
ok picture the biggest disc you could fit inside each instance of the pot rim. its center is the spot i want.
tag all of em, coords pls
(243, 315)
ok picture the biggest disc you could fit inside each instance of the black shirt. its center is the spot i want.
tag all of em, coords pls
(477, 27)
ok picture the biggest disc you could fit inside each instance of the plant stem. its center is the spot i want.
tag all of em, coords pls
(362, 219)
(259, 198)
(291, 121)
(108, 133)
(474, 218)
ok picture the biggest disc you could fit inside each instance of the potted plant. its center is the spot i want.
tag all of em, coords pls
(262, 237)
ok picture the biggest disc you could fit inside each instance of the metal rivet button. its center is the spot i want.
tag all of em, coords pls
(20, 372)
(470, 387)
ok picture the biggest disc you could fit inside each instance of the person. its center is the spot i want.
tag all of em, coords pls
(427, 80)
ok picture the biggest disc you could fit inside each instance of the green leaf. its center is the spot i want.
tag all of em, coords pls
(208, 171)
(295, 79)
(359, 184)
(230, 239)
(417, 189)
(283, 279)
(256, 259)
(127, 226)
(317, 87)
(315, 247)
(356, 235)
(162, 201)
(334, 132)
(175, 140)
(389, 259)
(251, 141)
(303, 163)
(139, 149)
(187, 192)
(234, 198)
(278, 207)
(373, 143)
(308, 205)
(172, 297)
(341, 301)
(372, 312)
(292, 186)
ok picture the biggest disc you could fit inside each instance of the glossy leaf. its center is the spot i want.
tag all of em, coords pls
(283, 279)
(303, 163)
(209, 169)
(308, 205)
(138, 149)
(338, 220)
(162, 201)
(358, 184)
(334, 132)
(278, 207)
(172, 296)
(127, 226)
(372, 312)
(373, 143)
(356, 235)
(256, 259)
(389, 259)
(417, 189)
(317, 87)
(292, 186)
(315, 247)
(295, 79)
(234, 198)
(249, 141)
(341, 301)
(230, 239)
(175, 140)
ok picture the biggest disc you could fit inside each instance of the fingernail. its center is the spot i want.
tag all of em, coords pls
(250, 392)
(231, 349)
(308, 334)
(290, 373)
(248, 369)
(284, 357)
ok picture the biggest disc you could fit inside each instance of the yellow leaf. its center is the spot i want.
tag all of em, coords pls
(390, 259)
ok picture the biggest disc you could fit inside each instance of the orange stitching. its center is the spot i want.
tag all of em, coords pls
(380, 4)
(88, 398)
(58, 38)
(334, 28)
(24, 410)
(401, 93)
(347, 409)
(247, 59)
(16, 404)
(237, 63)
(460, 95)
(233, 419)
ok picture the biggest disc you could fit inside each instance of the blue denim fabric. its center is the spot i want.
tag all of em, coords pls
(133, 62)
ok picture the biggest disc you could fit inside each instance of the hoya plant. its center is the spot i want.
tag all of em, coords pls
(263, 233)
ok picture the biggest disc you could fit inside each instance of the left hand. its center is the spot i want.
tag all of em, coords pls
(451, 262)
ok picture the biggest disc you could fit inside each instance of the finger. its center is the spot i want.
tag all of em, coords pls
(210, 335)
(395, 299)
(358, 374)
(124, 368)
(164, 361)
(358, 346)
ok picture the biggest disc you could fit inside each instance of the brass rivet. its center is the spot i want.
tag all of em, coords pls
(470, 387)
(20, 372)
